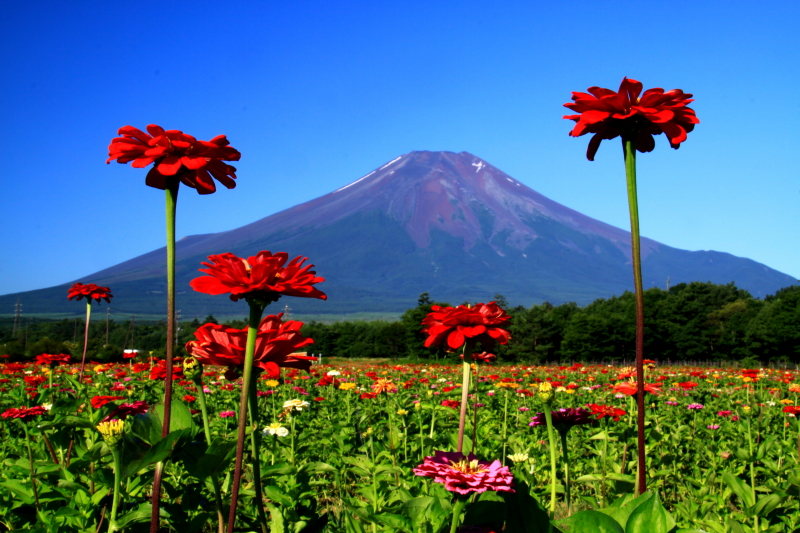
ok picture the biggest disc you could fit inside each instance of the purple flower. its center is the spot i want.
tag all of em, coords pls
(695, 406)
(564, 419)
(713, 426)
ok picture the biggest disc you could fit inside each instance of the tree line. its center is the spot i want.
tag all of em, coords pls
(689, 322)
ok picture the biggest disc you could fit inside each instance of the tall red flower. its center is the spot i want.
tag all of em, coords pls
(610, 411)
(628, 388)
(90, 291)
(631, 113)
(454, 326)
(276, 344)
(127, 409)
(49, 359)
(264, 276)
(175, 153)
(99, 401)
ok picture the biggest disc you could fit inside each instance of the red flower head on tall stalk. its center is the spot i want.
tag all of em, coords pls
(90, 292)
(175, 153)
(629, 112)
(264, 277)
(50, 359)
(453, 326)
(276, 344)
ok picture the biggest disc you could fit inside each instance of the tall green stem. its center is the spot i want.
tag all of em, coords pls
(256, 311)
(171, 204)
(255, 452)
(30, 462)
(565, 454)
(85, 337)
(458, 507)
(505, 428)
(629, 148)
(214, 477)
(551, 439)
(117, 481)
(462, 418)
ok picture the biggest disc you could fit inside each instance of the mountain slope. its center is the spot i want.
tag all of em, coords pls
(439, 222)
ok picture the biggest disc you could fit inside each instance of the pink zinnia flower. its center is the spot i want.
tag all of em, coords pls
(695, 406)
(466, 474)
(227, 414)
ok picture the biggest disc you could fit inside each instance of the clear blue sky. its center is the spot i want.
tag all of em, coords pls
(316, 94)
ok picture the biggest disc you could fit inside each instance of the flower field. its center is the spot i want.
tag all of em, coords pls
(344, 447)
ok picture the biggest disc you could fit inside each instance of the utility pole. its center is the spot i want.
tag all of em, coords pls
(107, 312)
(287, 312)
(17, 312)
(667, 283)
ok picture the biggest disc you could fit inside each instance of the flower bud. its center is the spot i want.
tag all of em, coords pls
(112, 432)
(545, 393)
(192, 369)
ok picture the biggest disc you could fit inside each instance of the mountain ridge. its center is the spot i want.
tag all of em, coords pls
(446, 223)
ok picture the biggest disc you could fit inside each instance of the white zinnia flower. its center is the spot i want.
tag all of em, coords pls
(275, 429)
(334, 373)
(295, 404)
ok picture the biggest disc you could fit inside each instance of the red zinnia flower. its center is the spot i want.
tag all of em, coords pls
(483, 323)
(189, 398)
(24, 413)
(452, 404)
(159, 371)
(606, 410)
(609, 114)
(263, 276)
(276, 344)
(564, 419)
(792, 410)
(629, 389)
(465, 473)
(100, 401)
(127, 409)
(48, 359)
(176, 154)
(90, 291)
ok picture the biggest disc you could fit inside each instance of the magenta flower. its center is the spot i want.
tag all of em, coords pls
(564, 419)
(227, 414)
(466, 474)
(713, 426)
(697, 406)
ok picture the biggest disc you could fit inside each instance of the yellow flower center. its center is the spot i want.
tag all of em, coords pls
(468, 467)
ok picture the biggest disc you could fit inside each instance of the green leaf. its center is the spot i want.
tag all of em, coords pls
(467, 445)
(767, 504)
(484, 513)
(69, 422)
(140, 514)
(415, 508)
(147, 427)
(276, 495)
(395, 521)
(21, 491)
(280, 469)
(180, 418)
(649, 517)
(590, 522)
(740, 488)
(523, 512)
(215, 460)
(161, 451)
(275, 519)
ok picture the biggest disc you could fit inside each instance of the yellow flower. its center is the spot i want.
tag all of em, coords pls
(794, 387)
(518, 457)
(402, 412)
(272, 383)
(545, 392)
(112, 431)
(569, 391)
(506, 385)
(347, 386)
(786, 401)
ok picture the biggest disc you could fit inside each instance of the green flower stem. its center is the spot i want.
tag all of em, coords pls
(433, 422)
(505, 428)
(467, 371)
(256, 310)
(115, 452)
(171, 204)
(291, 438)
(629, 147)
(255, 452)
(604, 458)
(757, 525)
(551, 438)
(30, 462)
(201, 395)
(458, 507)
(475, 411)
(565, 454)
(85, 338)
